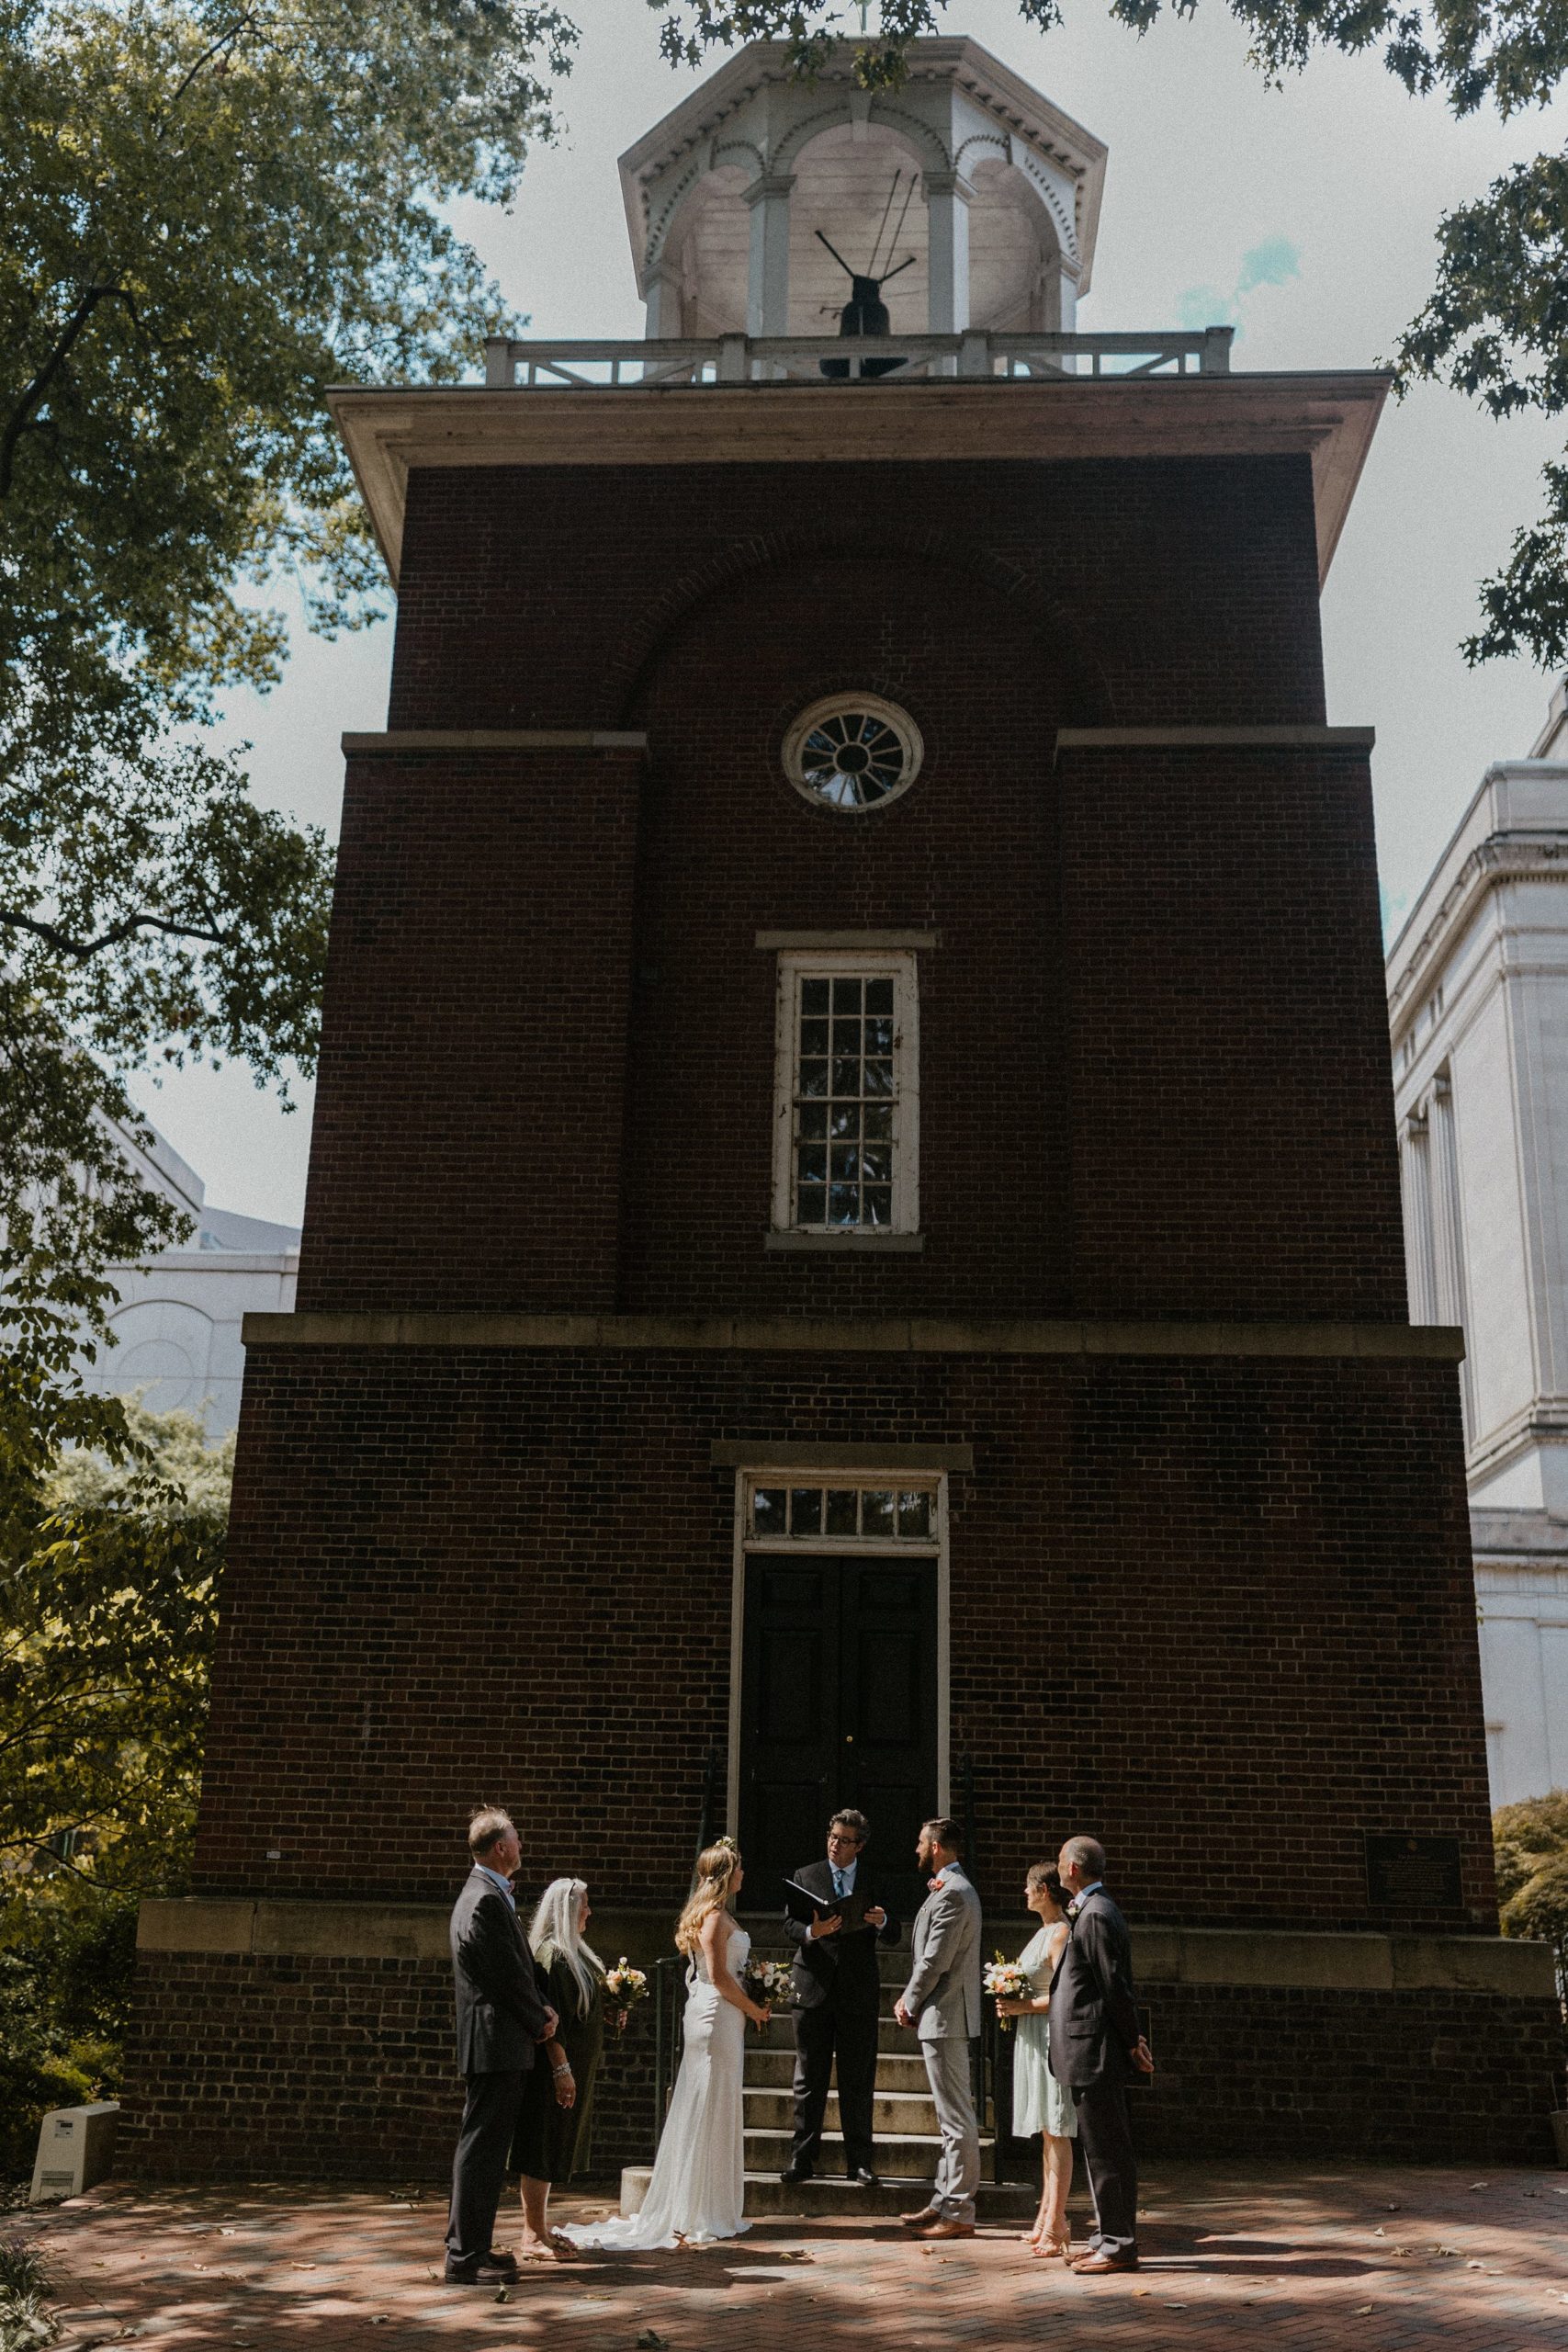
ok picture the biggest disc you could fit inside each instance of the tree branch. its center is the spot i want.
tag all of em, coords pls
(38, 391)
(81, 950)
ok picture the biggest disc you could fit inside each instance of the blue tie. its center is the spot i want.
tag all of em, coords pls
(838, 1882)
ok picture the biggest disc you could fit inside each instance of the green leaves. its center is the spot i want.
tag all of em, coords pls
(214, 209)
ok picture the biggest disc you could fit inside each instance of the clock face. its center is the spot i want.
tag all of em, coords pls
(852, 752)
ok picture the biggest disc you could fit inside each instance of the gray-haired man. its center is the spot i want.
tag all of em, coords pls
(942, 2001)
(501, 2014)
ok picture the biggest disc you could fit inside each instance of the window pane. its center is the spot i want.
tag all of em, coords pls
(841, 1501)
(876, 1163)
(842, 1206)
(846, 1077)
(814, 1121)
(845, 1157)
(814, 1078)
(813, 1036)
(806, 1510)
(844, 1120)
(878, 1204)
(812, 1207)
(811, 1163)
(813, 996)
(878, 1117)
(879, 1036)
(914, 1514)
(879, 996)
(876, 1512)
(846, 1037)
(846, 996)
(878, 1079)
(768, 1510)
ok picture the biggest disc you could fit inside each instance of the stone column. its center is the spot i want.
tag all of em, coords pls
(1447, 1225)
(1417, 1170)
(947, 212)
(767, 293)
(662, 294)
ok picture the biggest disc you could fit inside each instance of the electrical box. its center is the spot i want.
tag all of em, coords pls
(75, 2148)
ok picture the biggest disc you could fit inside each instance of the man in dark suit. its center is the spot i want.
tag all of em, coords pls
(502, 2017)
(1095, 2046)
(838, 1997)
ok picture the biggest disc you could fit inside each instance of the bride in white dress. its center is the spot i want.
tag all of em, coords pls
(698, 2185)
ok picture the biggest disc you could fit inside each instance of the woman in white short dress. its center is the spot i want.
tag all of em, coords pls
(698, 2185)
(1040, 2103)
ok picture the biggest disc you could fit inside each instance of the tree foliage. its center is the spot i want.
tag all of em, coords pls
(110, 1559)
(1531, 1844)
(213, 209)
(1496, 326)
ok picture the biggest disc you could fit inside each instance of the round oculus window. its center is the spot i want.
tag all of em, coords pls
(854, 752)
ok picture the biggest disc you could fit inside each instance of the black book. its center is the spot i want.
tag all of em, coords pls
(802, 1904)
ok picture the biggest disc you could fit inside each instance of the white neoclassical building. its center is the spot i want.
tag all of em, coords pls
(177, 1323)
(1478, 1014)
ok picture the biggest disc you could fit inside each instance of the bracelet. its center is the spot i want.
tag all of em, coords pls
(559, 2071)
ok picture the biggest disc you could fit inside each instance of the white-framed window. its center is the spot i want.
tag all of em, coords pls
(846, 1099)
(878, 1509)
(852, 752)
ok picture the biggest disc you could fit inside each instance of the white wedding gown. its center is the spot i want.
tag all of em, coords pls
(698, 2184)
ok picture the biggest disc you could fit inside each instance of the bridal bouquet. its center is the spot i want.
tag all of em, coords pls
(624, 1986)
(1006, 1980)
(768, 1981)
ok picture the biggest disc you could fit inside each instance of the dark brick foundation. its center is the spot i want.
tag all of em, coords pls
(342, 2070)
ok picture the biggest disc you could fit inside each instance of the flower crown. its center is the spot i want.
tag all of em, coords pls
(726, 1845)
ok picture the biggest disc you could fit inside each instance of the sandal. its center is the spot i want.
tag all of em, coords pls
(1053, 2249)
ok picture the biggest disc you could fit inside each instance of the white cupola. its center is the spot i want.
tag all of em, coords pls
(739, 201)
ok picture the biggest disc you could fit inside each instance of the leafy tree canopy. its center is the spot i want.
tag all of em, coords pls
(213, 210)
(1531, 1844)
(1496, 326)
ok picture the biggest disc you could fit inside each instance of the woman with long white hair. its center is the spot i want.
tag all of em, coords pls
(698, 2184)
(557, 2090)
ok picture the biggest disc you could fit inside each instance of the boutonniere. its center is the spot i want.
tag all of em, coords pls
(934, 1885)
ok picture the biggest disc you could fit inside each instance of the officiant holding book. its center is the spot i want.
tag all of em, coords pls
(836, 1919)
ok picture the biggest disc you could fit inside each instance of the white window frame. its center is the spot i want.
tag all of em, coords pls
(864, 963)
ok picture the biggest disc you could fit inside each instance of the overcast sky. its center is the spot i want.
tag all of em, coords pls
(1306, 216)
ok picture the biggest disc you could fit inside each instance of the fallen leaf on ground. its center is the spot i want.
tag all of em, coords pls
(1364, 2310)
(1476, 2265)
(310, 2265)
(651, 2341)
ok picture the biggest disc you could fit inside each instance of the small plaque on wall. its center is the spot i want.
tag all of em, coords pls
(1409, 1874)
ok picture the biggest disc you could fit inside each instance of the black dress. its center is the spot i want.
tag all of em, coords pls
(552, 2140)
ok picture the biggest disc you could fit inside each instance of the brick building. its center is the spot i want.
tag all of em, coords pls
(854, 1223)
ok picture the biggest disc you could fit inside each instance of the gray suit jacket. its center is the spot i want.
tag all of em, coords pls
(944, 1991)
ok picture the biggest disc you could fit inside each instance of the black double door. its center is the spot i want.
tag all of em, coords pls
(838, 1708)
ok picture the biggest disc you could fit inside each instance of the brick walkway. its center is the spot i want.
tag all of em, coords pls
(1300, 2257)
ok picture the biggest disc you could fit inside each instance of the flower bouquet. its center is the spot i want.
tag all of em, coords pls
(1006, 1980)
(768, 1981)
(624, 1986)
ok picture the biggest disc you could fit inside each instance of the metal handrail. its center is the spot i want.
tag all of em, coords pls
(668, 2005)
(671, 363)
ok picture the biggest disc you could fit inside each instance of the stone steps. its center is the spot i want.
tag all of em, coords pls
(772, 2067)
(895, 2114)
(825, 2196)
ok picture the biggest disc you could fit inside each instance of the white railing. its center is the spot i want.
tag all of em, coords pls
(827, 358)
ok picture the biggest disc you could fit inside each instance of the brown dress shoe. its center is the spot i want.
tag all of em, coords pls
(1095, 2266)
(920, 2220)
(944, 2229)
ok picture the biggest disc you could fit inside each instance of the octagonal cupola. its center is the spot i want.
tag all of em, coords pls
(969, 199)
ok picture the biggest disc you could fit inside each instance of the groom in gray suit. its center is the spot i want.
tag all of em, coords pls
(942, 2001)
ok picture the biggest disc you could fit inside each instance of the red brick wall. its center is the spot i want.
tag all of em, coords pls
(469, 1117)
(1220, 1612)
(1154, 1074)
(1176, 591)
(1227, 1064)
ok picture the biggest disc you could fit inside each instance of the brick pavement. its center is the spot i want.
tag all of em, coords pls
(1307, 2257)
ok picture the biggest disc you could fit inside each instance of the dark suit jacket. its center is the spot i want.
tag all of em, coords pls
(500, 2007)
(840, 1967)
(1094, 2017)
